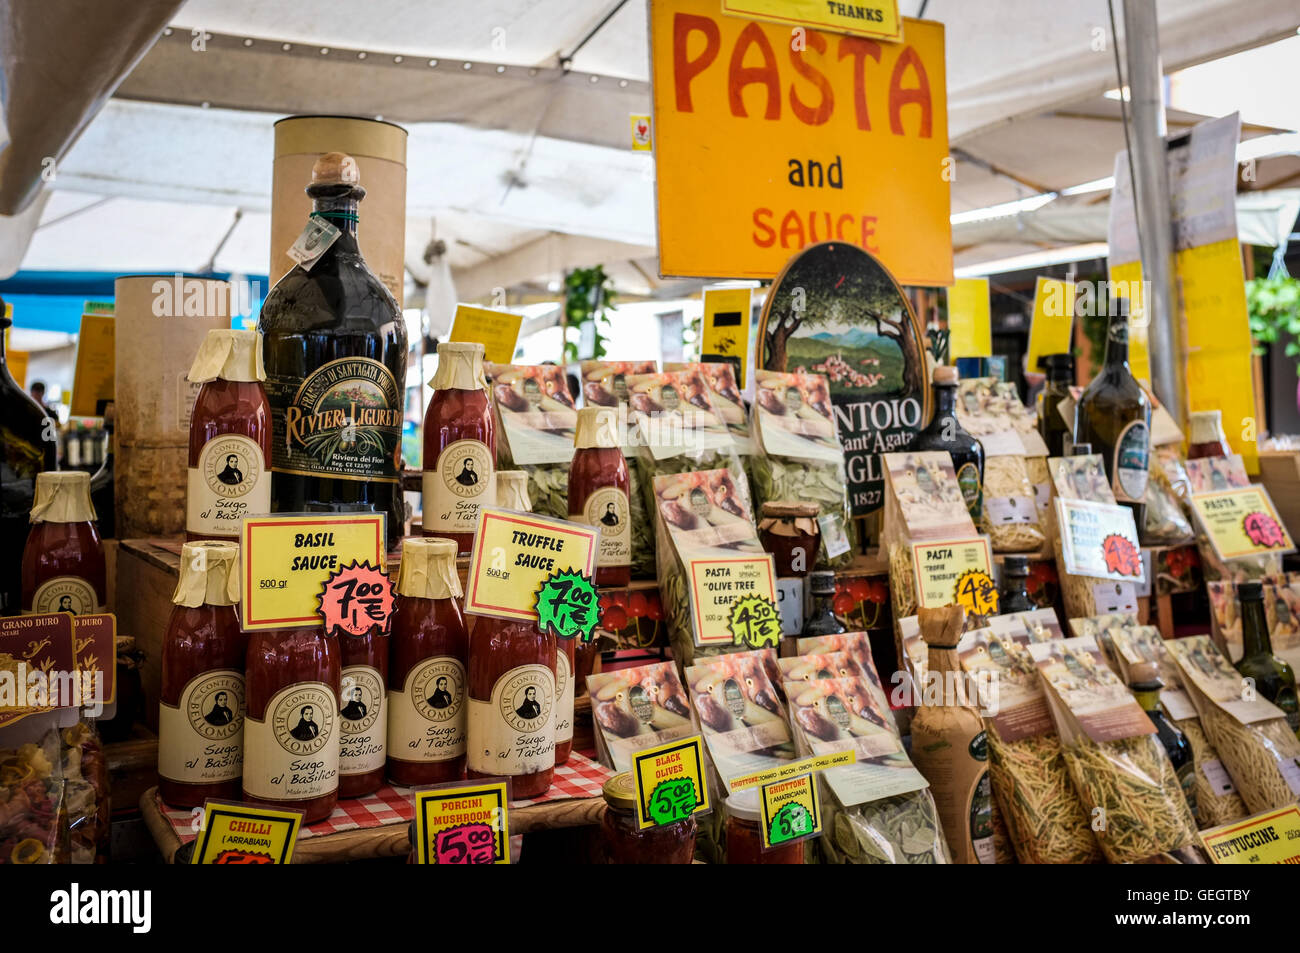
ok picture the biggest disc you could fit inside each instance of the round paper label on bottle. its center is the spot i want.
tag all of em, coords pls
(64, 594)
(344, 420)
(462, 481)
(363, 724)
(513, 733)
(201, 738)
(292, 754)
(426, 719)
(1132, 451)
(564, 692)
(607, 507)
(229, 482)
(968, 478)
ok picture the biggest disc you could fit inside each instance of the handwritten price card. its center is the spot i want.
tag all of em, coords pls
(717, 585)
(287, 560)
(1242, 522)
(956, 572)
(1099, 539)
(669, 783)
(237, 833)
(463, 824)
(516, 554)
(1270, 838)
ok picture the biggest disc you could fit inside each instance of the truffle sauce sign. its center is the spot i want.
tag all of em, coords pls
(835, 310)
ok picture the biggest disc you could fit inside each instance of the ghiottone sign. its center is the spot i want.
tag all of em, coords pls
(771, 138)
(836, 310)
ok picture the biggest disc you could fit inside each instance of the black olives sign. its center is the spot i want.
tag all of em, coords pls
(835, 310)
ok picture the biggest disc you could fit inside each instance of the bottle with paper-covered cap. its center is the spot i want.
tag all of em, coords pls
(429, 651)
(334, 342)
(460, 445)
(598, 492)
(63, 562)
(201, 703)
(230, 436)
(946, 434)
(512, 491)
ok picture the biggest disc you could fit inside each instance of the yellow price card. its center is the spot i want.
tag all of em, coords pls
(287, 559)
(1269, 838)
(515, 553)
(725, 330)
(1052, 325)
(95, 371)
(957, 571)
(970, 331)
(463, 823)
(497, 331)
(718, 583)
(1242, 522)
(668, 783)
(790, 811)
(236, 833)
(833, 759)
(878, 20)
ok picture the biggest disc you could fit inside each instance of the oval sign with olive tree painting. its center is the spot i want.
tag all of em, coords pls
(836, 310)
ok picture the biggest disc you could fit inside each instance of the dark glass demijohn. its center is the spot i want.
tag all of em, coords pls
(335, 354)
(1273, 676)
(945, 434)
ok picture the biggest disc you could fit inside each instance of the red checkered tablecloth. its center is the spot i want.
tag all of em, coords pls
(580, 778)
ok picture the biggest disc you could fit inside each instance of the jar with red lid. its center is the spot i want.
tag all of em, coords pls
(623, 843)
(789, 531)
(745, 839)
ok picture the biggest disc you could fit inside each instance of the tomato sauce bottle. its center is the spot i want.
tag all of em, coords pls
(598, 492)
(291, 732)
(363, 719)
(201, 715)
(512, 704)
(426, 671)
(63, 562)
(564, 655)
(460, 446)
(230, 436)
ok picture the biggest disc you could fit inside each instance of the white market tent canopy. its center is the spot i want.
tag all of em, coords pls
(518, 115)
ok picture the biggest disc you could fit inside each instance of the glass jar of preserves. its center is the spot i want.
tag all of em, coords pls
(426, 672)
(598, 492)
(230, 436)
(1205, 436)
(789, 531)
(744, 843)
(460, 446)
(201, 711)
(623, 843)
(63, 562)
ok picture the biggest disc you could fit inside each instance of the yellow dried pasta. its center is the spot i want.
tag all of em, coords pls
(1010, 514)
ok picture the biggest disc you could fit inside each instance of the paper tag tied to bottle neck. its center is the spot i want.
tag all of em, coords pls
(315, 240)
(357, 599)
(567, 604)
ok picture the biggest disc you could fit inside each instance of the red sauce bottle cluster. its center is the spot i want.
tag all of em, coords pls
(63, 561)
(598, 492)
(201, 715)
(460, 446)
(427, 676)
(230, 436)
(291, 732)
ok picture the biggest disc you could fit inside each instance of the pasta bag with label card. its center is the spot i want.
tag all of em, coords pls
(949, 746)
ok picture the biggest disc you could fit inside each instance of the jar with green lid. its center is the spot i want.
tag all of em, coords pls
(745, 837)
(623, 843)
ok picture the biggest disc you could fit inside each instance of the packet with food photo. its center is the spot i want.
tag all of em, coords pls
(1165, 523)
(638, 708)
(1045, 820)
(536, 419)
(724, 393)
(697, 516)
(1214, 474)
(1205, 780)
(604, 384)
(1120, 770)
(799, 454)
(740, 715)
(1281, 613)
(1250, 733)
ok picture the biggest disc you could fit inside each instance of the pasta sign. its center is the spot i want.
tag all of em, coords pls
(771, 138)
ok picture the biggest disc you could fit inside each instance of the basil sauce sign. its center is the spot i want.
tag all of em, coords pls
(836, 310)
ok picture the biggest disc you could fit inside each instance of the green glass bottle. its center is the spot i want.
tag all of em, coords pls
(946, 434)
(1114, 415)
(1053, 428)
(1273, 676)
(1144, 682)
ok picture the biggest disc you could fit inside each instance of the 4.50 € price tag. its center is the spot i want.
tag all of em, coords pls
(755, 622)
(463, 823)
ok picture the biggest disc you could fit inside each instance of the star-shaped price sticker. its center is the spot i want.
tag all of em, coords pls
(567, 603)
(356, 599)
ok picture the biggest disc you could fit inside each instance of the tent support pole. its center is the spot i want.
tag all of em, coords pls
(1151, 195)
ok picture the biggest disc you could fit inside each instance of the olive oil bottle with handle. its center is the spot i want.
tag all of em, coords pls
(1114, 415)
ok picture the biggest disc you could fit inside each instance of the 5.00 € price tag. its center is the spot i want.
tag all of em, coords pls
(463, 823)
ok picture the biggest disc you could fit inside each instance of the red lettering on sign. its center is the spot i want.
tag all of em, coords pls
(684, 68)
(739, 75)
(813, 116)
